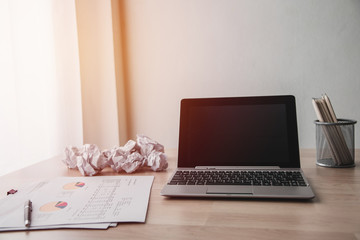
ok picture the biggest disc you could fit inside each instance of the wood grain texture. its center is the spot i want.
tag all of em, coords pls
(333, 214)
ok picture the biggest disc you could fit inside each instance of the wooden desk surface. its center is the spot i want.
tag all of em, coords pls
(333, 214)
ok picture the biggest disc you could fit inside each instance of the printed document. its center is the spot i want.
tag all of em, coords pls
(79, 202)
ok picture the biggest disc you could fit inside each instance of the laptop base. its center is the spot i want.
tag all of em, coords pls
(277, 192)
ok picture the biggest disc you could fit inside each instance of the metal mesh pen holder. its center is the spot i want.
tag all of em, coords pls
(335, 143)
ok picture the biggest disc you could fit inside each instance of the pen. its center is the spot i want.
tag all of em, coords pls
(27, 213)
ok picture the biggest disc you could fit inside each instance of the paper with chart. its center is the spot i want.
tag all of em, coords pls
(11, 205)
(81, 200)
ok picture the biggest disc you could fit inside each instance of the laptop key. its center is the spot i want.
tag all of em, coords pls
(179, 182)
(302, 184)
(177, 178)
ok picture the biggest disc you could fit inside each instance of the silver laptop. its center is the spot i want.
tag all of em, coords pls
(241, 147)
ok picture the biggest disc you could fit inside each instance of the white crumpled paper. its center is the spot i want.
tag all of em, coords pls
(125, 158)
(88, 159)
(145, 152)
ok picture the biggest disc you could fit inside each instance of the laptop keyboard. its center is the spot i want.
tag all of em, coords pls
(255, 178)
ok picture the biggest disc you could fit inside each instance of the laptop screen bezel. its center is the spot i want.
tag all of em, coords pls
(288, 100)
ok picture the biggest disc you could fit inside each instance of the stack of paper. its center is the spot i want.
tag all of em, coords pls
(334, 136)
(80, 202)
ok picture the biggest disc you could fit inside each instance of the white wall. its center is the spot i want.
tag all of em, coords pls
(40, 95)
(97, 68)
(207, 48)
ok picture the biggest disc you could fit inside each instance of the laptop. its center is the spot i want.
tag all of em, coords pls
(238, 147)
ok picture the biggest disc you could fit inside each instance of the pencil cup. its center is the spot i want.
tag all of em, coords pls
(335, 143)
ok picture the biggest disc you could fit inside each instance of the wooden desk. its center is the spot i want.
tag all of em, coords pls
(333, 214)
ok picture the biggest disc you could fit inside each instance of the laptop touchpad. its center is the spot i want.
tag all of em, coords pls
(229, 189)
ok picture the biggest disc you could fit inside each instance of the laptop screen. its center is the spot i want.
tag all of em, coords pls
(240, 131)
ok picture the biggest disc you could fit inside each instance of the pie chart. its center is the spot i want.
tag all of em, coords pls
(53, 206)
(74, 185)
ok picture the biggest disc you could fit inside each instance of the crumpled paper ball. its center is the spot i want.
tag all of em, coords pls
(157, 161)
(88, 159)
(145, 152)
(147, 145)
(125, 158)
(153, 153)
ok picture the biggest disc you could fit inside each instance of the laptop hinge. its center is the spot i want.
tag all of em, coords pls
(235, 167)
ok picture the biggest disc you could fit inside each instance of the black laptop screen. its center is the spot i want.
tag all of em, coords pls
(248, 131)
